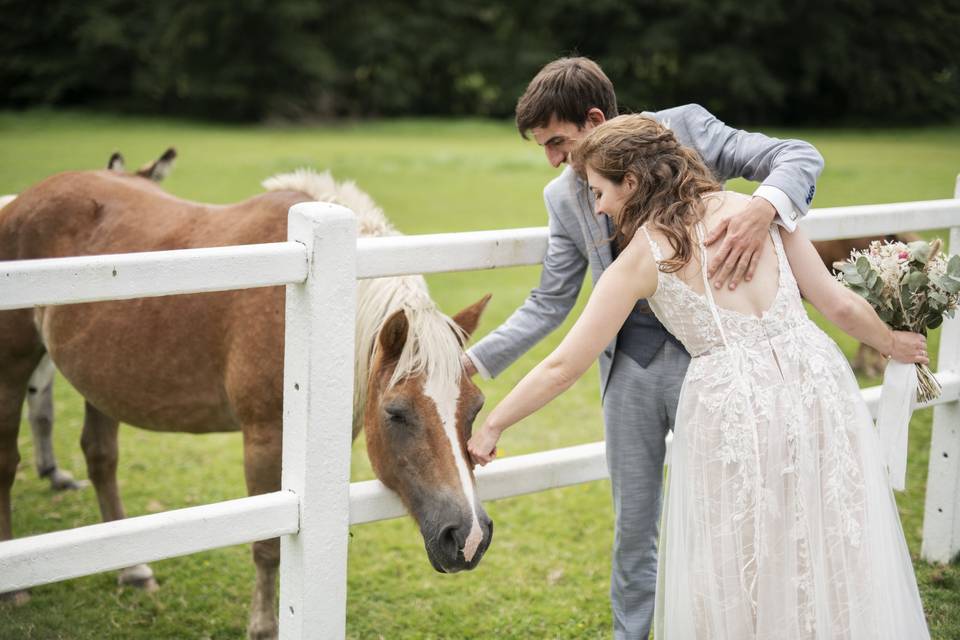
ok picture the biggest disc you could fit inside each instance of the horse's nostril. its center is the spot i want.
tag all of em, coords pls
(450, 540)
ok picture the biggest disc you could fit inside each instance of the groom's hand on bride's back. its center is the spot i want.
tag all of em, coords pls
(743, 237)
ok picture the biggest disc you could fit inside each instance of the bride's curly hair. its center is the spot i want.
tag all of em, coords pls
(670, 180)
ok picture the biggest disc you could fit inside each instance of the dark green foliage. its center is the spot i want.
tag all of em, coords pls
(218, 59)
(770, 61)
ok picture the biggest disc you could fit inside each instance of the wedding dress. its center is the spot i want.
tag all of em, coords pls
(778, 521)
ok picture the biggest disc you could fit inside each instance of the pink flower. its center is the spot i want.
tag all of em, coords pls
(903, 255)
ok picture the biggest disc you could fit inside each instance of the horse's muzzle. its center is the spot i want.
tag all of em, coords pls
(446, 544)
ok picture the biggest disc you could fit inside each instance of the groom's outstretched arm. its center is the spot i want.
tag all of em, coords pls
(788, 170)
(561, 278)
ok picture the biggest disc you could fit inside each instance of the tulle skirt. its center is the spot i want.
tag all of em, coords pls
(779, 521)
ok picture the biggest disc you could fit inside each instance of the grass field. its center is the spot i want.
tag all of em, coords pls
(546, 573)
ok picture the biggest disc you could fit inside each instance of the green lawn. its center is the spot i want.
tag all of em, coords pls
(546, 574)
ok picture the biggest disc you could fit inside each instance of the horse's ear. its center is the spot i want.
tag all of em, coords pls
(393, 335)
(469, 318)
(159, 168)
(116, 162)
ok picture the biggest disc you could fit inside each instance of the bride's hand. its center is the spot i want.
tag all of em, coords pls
(909, 348)
(483, 444)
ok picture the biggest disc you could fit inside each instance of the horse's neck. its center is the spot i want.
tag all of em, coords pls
(377, 298)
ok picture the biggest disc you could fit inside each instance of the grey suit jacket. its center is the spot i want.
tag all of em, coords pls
(578, 236)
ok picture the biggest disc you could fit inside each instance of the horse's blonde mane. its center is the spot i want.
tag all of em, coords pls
(323, 188)
(433, 345)
(433, 339)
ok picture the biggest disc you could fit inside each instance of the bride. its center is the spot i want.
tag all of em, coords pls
(779, 521)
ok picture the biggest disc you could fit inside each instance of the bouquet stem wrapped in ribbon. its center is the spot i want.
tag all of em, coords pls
(912, 287)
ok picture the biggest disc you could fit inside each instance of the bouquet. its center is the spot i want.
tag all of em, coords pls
(910, 286)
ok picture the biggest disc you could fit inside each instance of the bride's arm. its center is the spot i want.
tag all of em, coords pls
(631, 277)
(843, 307)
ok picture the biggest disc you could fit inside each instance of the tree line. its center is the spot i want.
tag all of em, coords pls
(770, 61)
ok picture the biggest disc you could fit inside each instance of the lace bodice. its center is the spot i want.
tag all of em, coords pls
(703, 327)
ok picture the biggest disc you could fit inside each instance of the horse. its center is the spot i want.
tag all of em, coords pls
(40, 387)
(213, 362)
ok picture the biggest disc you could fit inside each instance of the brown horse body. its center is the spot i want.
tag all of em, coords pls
(214, 362)
(40, 388)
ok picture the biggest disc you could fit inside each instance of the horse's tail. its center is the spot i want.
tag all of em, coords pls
(4, 248)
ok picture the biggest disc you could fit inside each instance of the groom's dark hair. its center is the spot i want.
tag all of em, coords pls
(566, 88)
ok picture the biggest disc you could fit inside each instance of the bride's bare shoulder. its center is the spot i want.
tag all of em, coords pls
(722, 204)
(648, 240)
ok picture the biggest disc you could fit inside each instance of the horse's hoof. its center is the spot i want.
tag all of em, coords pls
(150, 585)
(263, 625)
(262, 634)
(15, 598)
(138, 577)
(63, 481)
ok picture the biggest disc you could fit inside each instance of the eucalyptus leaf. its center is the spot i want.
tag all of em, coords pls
(949, 284)
(953, 266)
(917, 279)
(906, 298)
(939, 298)
(919, 251)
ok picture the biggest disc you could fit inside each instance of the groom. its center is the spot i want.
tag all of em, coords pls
(642, 370)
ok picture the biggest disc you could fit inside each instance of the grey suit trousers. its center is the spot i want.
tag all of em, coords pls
(639, 407)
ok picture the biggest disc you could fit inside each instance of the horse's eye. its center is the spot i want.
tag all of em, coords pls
(396, 416)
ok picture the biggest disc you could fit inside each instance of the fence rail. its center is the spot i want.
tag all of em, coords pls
(314, 509)
(71, 553)
(29, 283)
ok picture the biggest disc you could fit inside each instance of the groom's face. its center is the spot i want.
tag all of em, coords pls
(558, 138)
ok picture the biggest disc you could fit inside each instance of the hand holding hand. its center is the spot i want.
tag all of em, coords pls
(740, 251)
(909, 348)
(483, 444)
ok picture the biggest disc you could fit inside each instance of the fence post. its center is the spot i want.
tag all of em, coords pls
(317, 415)
(941, 515)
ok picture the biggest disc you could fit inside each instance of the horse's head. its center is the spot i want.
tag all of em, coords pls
(418, 417)
(156, 170)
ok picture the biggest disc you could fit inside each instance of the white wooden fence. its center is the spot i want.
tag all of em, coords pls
(320, 265)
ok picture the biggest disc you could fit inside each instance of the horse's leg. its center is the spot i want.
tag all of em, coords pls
(99, 443)
(869, 361)
(262, 447)
(12, 392)
(40, 412)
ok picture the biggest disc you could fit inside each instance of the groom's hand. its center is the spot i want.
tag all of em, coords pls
(468, 365)
(743, 237)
